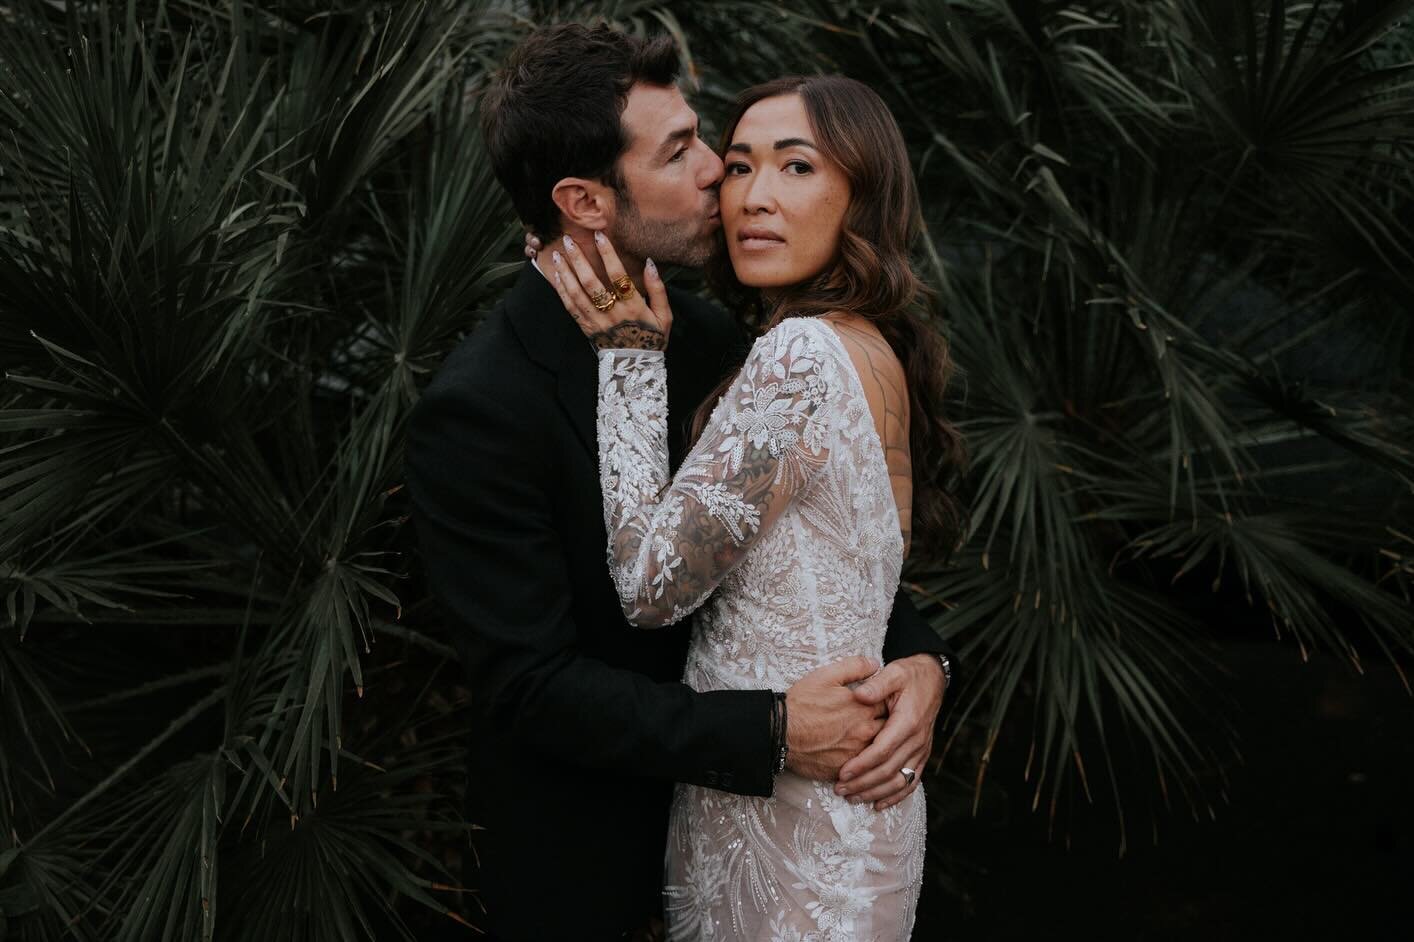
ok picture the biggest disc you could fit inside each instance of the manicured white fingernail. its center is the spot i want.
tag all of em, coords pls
(555, 257)
(598, 237)
(569, 244)
(651, 268)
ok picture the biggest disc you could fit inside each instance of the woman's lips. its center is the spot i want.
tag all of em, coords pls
(756, 238)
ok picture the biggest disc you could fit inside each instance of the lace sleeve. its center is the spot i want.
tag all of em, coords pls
(671, 542)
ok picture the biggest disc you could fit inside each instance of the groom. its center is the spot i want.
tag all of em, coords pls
(581, 723)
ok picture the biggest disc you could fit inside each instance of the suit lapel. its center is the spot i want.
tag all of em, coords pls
(578, 391)
(552, 339)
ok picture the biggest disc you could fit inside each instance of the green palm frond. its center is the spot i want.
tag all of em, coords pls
(1300, 119)
(33, 722)
(1083, 228)
(204, 211)
(1171, 246)
(328, 875)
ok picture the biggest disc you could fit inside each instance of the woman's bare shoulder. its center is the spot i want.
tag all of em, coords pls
(866, 346)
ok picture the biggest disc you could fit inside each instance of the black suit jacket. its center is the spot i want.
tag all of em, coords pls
(581, 723)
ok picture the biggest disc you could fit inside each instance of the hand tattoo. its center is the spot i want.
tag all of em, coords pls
(630, 335)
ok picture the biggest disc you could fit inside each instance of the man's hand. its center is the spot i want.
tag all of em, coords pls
(912, 688)
(826, 723)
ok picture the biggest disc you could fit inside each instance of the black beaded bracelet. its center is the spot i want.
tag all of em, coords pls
(944, 660)
(773, 730)
(778, 733)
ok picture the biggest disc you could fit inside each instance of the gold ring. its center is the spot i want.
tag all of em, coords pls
(603, 300)
(623, 286)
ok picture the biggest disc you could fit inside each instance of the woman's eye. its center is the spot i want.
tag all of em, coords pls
(801, 167)
(737, 169)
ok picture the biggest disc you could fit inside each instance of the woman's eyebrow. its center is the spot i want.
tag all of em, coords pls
(785, 142)
(782, 144)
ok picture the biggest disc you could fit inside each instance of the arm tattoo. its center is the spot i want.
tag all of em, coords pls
(674, 538)
(887, 390)
(703, 535)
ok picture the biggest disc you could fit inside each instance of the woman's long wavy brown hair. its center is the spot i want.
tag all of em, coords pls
(871, 277)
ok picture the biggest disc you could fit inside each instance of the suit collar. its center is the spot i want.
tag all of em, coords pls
(541, 323)
(550, 336)
(554, 341)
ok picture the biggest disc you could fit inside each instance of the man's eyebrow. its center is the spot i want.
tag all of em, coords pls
(681, 134)
(782, 144)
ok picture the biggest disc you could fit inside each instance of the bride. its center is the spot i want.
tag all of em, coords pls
(789, 521)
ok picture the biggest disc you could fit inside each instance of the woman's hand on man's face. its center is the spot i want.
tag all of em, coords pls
(616, 317)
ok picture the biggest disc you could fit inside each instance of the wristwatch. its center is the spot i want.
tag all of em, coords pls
(947, 671)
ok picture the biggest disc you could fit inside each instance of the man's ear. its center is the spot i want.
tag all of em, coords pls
(588, 204)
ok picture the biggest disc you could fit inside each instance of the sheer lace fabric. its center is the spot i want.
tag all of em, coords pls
(784, 508)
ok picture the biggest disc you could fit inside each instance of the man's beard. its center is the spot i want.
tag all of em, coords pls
(685, 242)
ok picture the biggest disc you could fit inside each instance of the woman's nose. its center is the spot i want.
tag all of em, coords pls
(759, 194)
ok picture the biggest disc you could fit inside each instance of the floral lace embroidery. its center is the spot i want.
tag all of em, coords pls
(784, 508)
(672, 541)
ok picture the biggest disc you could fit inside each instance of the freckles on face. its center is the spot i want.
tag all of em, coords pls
(783, 200)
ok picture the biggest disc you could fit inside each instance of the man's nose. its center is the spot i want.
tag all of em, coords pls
(713, 168)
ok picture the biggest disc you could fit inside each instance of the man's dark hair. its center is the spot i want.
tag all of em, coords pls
(554, 111)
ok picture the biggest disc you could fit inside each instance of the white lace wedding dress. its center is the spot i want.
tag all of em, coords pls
(784, 509)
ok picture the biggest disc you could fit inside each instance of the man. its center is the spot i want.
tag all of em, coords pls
(582, 723)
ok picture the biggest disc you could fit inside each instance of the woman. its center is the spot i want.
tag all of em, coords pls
(797, 504)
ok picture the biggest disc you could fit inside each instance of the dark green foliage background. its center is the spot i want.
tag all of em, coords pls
(1172, 247)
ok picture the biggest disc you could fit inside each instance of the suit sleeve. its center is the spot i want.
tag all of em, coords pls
(909, 632)
(484, 519)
